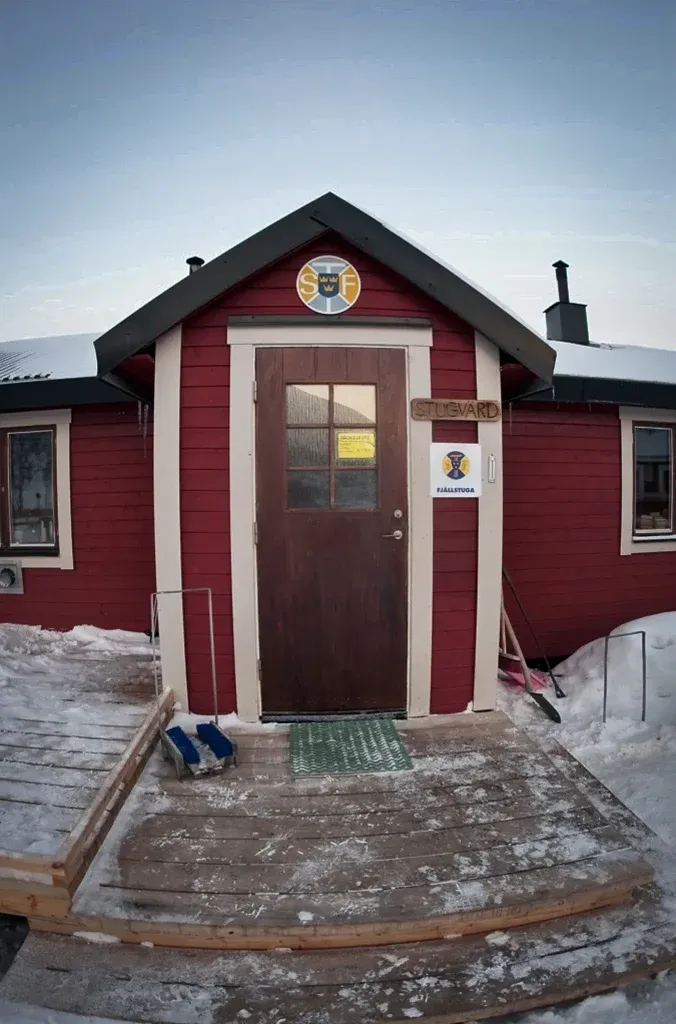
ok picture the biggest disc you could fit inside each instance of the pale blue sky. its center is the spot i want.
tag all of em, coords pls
(500, 134)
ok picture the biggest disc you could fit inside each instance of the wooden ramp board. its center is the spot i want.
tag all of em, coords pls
(483, 833)
(59, 796)
(460, 979)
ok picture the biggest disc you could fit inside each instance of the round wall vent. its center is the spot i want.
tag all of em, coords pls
(7, 577)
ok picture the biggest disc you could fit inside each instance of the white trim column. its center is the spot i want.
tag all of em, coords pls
(420, 540)
(489, 564)
(242, 525)
(167, 502)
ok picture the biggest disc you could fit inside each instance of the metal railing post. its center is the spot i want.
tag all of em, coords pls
(644, 670)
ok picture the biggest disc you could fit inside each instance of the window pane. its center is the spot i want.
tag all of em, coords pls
(355, 447)
(307, 488)
(354, 403)
(307, 403)
(652, 456)
(357, 489)
(307, 447)
(31, 487)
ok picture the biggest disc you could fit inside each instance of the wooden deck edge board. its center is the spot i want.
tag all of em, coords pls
(18, 861)
(69, 853)
(376, 933)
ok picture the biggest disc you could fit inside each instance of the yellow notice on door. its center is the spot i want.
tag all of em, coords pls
(351, 444)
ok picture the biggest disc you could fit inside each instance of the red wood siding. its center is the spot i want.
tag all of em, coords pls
(562, 528)
(113, 539)
(204, 470)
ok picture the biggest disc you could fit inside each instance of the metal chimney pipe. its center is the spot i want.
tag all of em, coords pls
(561, 269)
(194, 262)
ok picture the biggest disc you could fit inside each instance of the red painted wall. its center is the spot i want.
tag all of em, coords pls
(113, 539)
(205, 380)
(562, 529)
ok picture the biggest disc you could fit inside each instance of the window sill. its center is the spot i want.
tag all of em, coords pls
(62, 561)
(650, 545)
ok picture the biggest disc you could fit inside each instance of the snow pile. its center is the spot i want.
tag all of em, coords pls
(634, 759)
(189, 722)
(32, 651)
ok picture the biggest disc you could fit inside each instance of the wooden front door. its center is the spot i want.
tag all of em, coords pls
(332, 523)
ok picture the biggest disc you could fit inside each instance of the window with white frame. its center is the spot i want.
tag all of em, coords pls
(28, 520)
(653, 480)
(648, 445)
(35, 507)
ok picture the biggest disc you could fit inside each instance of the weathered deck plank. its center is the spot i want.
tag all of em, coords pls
(291, 850)
(444, 982)
(487, 831)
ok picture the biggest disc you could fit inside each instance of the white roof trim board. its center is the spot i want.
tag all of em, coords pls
(63, 357)
(615, 362)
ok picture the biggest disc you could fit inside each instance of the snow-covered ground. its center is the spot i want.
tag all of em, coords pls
(635, 760)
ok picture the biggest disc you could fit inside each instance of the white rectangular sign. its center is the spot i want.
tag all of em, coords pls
(455, 470)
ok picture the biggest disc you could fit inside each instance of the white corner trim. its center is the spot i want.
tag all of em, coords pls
(489, 565)
(167, 505)
(61, 418)
(242, 518)
(421, 559)
(628, 416)
(243, 341)
(337, 335)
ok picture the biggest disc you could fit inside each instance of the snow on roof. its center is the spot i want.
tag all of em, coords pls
(57, 358)
(615, 362)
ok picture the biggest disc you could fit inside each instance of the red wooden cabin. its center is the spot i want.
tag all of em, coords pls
(292, 478)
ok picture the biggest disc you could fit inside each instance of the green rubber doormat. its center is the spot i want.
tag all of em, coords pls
(348, 747)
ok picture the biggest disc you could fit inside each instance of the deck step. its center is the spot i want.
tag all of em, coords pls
(410, 913)
(453, 980)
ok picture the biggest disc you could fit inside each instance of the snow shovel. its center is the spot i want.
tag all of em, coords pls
(557, 689)
(539, 698)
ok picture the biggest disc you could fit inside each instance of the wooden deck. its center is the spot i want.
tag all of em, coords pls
(484, 833)
(488, 817)
(67, 760)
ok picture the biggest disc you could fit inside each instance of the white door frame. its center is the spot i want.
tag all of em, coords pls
(243, 342)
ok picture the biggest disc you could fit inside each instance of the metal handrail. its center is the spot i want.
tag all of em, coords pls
(614, 636)
(154, 617)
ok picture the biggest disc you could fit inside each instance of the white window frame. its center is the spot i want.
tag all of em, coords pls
(61, 419)
(631, 543)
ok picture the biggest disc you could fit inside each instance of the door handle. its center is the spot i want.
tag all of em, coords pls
(395, 535)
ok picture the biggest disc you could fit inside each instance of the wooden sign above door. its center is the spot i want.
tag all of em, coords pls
(455, 409)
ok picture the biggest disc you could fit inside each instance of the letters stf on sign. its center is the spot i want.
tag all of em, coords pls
(455, 409)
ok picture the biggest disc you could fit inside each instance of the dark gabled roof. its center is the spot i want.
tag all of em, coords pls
(327, 213)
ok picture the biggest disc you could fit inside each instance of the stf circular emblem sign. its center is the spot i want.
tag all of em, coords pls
(455, 465)
(328, 285)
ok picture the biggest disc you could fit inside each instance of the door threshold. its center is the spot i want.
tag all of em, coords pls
(338, 716)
